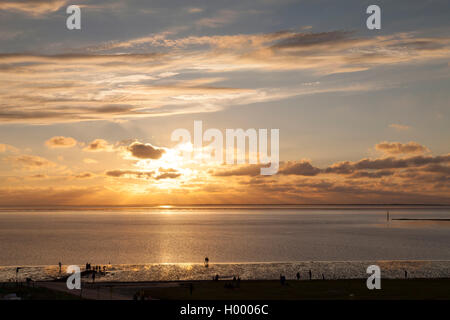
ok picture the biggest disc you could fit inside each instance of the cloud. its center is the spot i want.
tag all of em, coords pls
(61, 142)
(364, 168)
(39, 176)
(416, 179)
(161, 173)
(399, 127)
(347, 167)
(83, 175)
(31, 162)
(130, 174)
(244, 170)
(302, 40)
(9, 34)
(41, 8)
(34, 8)
(44, 196)
(395, 148)
(438, 168)
(195, 10)
(111, 81)
(375, 175)
(63, 176)
(167, 175)
(222, 18)
(99, 145)
(89, 161)
(145, 151)
(7, 148)
(303, 168)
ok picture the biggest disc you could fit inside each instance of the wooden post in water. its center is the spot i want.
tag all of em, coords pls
(387, 215)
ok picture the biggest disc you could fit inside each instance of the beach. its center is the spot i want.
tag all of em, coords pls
(160, 251)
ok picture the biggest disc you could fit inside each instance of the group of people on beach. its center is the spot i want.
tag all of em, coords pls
(89, 270)
(95, 269)
(99, 269)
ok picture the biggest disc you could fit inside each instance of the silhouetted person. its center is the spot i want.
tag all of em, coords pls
(310, 275)
(206, 262)
(87, 266)
(298, 275)
(217, 277)
(17, 272)
(406, 274)
(59, 263)
(323, 276)
(93, 276)
(234, 278)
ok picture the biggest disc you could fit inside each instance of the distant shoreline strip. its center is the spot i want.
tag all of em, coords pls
(408, 219)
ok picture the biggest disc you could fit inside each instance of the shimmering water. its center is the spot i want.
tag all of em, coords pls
(157, 243)
(247, 271)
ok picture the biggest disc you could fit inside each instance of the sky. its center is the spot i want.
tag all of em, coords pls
(86, 115)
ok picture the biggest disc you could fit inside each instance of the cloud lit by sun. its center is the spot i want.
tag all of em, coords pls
(87, 118)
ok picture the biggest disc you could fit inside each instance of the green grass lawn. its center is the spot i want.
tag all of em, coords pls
(316, 289)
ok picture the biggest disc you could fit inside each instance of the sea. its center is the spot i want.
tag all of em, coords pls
(253, 242)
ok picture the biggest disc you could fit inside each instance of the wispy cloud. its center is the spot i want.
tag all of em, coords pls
(34, 7)
(399, 127)
(401, 148)
(61, 142)
(82, 87)
(30, 162)
(99, 145)
(7, 148)
(223, 17)
(195, 10)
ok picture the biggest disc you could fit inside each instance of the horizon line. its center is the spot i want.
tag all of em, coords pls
(168, 206)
